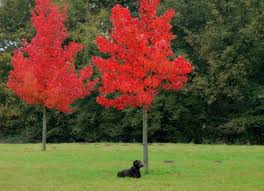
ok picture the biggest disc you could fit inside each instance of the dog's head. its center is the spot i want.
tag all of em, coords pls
(137, 164)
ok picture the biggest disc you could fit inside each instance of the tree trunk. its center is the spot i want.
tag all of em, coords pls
(145, 139)
(44, 129)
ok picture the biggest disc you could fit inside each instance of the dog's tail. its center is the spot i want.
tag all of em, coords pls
(119, 174)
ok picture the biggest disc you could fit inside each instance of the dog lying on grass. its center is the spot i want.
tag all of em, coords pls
(133, 172)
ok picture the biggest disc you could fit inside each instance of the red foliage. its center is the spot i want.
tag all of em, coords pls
(140, 61)
(44, 71)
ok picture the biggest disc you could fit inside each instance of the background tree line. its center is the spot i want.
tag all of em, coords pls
(222, 103)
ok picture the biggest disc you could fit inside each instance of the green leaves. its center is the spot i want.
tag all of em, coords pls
(225, 95)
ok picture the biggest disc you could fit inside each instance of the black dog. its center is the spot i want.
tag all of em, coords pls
(133, 172)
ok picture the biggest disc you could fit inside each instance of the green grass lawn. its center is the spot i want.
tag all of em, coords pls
(93, 167)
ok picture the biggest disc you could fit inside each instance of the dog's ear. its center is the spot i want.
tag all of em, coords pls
(137, 164)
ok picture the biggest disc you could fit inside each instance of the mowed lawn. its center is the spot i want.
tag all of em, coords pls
(93, 167)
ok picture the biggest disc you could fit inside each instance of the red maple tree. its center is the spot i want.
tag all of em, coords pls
(141, 62)
(43, 70)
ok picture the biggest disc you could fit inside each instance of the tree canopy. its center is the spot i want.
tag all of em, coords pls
(224, 101)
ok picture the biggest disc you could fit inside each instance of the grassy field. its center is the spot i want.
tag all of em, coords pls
(93, 167)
